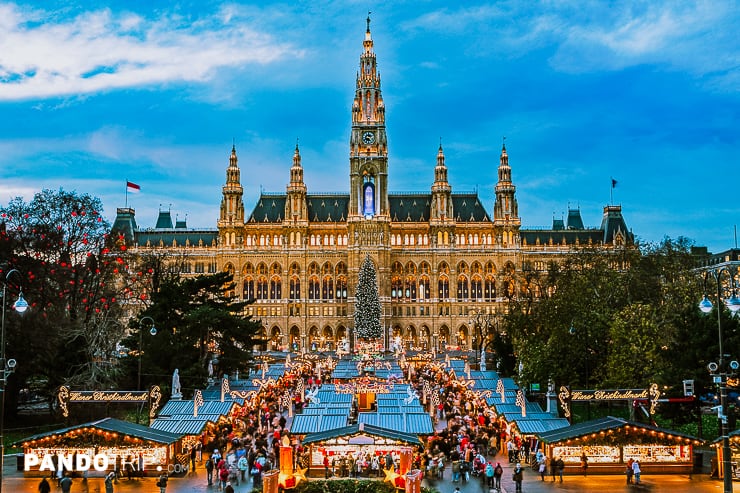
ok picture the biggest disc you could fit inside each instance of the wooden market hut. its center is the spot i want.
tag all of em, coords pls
(610, 442)
(179, 417)
(734, 455)
(358, 439)
(110, 437)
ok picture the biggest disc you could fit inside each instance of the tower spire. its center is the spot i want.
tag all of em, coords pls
(368, 141)
(441, 210)
(295, 204)
(232, 205)
(506, 209)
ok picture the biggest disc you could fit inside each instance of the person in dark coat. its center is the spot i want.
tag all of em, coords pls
(44, 486)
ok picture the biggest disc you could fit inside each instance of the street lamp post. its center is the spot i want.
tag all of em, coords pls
(8, 366)
(152, 331)
(733, 304)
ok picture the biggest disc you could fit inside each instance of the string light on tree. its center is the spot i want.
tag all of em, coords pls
(368, 310)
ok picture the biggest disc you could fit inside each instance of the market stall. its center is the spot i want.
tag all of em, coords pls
(734, 455)
(359, 441)
(97, 446)
(609, 443)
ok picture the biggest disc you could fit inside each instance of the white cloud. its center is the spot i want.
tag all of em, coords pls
(44, 56)
(699, 38)
(696, 37)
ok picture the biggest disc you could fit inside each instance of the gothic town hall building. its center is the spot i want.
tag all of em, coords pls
(440, 255)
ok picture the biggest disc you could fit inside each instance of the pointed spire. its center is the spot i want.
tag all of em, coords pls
(296, 155)
(233, 160)
(232, 172)
(296, 171)
(505, 209)
(440, 155)
(232, 208)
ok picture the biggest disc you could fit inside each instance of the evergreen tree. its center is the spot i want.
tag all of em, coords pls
(196, 319)
(367, 305)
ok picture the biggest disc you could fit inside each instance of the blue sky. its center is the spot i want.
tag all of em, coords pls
(94, 93)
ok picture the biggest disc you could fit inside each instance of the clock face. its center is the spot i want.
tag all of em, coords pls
(368, 137)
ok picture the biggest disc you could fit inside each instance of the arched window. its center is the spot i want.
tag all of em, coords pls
(327, 291)
(396, 287)
(248, 289)
(489, 291)
(342, 289)
(295, 288)
(476, 288)
(409, 288)
(276, 289)
(462, 288)
(262, 293)
(314, 288)
(444, 287)
(424, 293)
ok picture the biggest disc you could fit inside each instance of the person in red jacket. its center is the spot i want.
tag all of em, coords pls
(223, 476)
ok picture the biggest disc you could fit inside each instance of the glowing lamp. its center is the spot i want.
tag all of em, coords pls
(705, 305)
(21, 305)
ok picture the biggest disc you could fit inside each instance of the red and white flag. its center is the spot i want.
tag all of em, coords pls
(132, 187)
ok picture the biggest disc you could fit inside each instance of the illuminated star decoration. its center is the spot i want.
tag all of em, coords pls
(300, 475)
(390, 476)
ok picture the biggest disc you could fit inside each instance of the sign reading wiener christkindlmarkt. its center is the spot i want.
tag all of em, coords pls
(566, 396)
(66, 396)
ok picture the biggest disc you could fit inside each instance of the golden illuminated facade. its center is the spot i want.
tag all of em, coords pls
(439, 255)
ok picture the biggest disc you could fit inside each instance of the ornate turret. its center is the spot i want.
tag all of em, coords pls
(368, 142)
(441, 207)
(506, 219)
(296, 209)
(232, 206)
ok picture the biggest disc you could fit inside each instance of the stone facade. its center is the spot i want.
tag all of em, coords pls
(440, 256)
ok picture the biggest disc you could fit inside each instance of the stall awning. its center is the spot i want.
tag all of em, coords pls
(183, 409)
(362, 429)
(606, 424)
(194, 426)
(312, 423)
(111, 425)
(411, 423)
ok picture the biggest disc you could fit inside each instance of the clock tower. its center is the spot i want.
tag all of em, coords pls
(368, 144)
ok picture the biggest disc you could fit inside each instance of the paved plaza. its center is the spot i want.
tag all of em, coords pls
(15, 482)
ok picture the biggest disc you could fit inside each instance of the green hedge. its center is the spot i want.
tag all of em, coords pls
(348, 486)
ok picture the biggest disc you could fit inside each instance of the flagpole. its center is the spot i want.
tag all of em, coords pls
(611, 190)
(126, 195)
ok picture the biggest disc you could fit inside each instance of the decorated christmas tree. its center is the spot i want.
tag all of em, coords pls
(367, 307)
